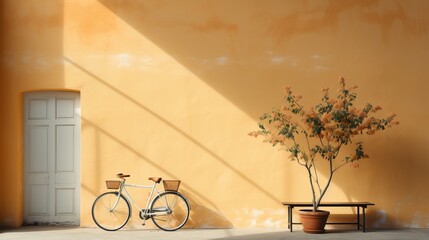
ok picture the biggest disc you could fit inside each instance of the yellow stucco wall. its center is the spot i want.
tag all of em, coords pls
(171, 89)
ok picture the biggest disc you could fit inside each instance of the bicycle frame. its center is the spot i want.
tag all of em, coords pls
(148, 202)
(168, 209)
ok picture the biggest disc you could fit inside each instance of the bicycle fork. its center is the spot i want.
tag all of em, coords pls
(117, 199)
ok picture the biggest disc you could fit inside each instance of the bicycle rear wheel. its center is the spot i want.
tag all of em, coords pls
(107, 217)
(173, 209)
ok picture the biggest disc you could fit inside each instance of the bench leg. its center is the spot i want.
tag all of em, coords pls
(289, 220)
(358, 218)
(363, 221)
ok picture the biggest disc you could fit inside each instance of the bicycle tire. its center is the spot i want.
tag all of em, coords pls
(179, 211)
(105, 217)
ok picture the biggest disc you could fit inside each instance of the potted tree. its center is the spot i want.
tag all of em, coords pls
(315, 136)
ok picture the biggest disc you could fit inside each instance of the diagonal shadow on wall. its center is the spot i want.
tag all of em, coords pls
(173, 127)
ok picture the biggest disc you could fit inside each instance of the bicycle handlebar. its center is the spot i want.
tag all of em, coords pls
(121, 175)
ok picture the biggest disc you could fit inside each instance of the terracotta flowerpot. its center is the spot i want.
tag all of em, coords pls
(313, 222)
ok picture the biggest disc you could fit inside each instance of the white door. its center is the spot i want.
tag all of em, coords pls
(52, 157)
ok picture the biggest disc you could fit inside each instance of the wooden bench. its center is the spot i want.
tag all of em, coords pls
(358, 205)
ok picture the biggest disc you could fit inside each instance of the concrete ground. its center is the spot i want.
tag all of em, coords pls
(76, 233)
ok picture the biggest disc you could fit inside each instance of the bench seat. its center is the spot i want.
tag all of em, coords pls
(358, 205)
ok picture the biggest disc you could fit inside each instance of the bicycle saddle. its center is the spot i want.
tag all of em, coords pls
(155, 179)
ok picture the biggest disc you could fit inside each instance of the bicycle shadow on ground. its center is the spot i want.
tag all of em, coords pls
(203, 217)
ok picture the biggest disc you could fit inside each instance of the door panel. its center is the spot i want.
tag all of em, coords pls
(38, 109)
(65, 108)
(65, 148)
(51, 157)
(39, 200)
(38, 149)
(63, 204)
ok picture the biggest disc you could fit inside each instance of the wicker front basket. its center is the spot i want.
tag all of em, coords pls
(113, 184)
(171, 185)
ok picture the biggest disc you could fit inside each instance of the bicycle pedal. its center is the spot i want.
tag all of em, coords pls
(143, 224)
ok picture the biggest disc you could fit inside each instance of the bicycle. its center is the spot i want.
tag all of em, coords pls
(169, 209)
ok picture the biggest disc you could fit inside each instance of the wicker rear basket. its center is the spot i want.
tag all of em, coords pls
(171, 185)
(112, 184)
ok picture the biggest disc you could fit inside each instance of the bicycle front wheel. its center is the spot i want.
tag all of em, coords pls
(111, 211)
(171, 211)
